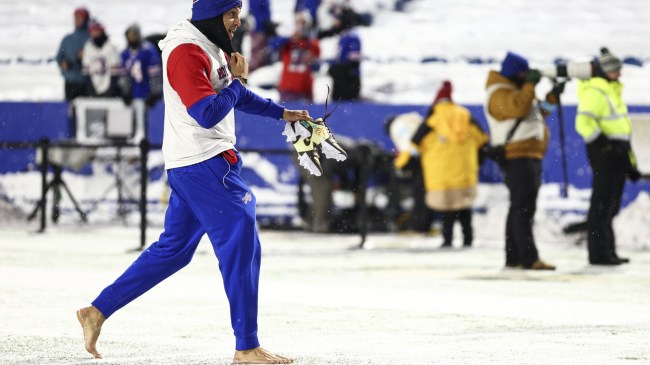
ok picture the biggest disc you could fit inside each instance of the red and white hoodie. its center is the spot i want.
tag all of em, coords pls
(185, 142)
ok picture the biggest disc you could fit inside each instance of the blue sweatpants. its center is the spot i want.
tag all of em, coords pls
(207, 197)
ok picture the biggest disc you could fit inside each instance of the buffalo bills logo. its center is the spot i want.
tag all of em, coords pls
(247, 198)
(222, 72)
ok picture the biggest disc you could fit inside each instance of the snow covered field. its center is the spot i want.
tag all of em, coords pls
(400, 301)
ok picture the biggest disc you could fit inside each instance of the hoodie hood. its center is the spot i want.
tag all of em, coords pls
(451, 122)
(185, 32)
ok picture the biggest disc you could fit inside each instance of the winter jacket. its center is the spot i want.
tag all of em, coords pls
(506, 103)
(143, 67)
(601, 110)
(298, 57)
(69, 50)
(346, 69)
(449, 152)
(200, 95)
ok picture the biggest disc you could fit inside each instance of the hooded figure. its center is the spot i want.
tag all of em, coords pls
(205, 41)
(202, 86)
(448, 142)
(204, 14)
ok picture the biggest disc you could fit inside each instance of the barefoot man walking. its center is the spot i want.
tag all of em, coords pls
(204, 79)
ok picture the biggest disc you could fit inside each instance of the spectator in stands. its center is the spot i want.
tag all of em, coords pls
(262, 30)
(337, 16)
(516, 120)
(142, 78)
(345, 70)
(70, 55)
(101, 63)
(448, 141)
(604, 124)
(300, 56)
(69, 58)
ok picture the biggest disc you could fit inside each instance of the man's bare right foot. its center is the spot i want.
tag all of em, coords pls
(91, 320)
(259, 356)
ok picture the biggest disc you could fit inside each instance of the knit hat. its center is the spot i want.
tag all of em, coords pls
(444, 93)
(608, 62)
(207, 9)
(513, 64)
(95, 25)
(133, 28)
(81, 11)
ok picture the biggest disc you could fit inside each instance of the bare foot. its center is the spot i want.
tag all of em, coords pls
(259, 356)
(91, 320)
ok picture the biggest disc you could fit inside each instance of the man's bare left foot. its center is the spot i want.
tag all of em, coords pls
(91, 320)
(259, 356)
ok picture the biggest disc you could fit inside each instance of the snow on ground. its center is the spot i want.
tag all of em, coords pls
(400, 301)
(97, 194)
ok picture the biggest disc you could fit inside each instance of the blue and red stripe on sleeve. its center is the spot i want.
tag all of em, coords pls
(188, 70)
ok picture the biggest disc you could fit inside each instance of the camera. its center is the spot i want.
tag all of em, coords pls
(578, 70)
(104, 119)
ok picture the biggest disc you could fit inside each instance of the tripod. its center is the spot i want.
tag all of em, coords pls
(55, 184)
(120, 186)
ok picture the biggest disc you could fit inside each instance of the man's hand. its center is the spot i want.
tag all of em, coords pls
(553, 96)
(238, 65)
(634, 174)
(296, 115)
(558, 89)
(533, 76)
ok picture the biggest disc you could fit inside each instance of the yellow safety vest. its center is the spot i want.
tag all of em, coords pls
(601, 109)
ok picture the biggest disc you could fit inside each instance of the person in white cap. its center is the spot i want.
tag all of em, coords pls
(605, 126)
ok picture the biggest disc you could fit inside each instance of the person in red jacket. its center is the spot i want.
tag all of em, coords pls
(299, 57)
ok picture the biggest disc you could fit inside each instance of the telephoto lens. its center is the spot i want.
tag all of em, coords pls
(570, 70)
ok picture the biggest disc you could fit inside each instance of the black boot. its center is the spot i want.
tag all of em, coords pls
(622, 260)
(605, 261)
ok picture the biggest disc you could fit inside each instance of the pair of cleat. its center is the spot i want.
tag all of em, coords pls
(311, 139)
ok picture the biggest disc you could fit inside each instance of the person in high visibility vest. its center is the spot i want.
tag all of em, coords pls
(603, 122)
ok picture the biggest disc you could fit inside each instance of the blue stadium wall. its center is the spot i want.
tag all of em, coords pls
(33, 121)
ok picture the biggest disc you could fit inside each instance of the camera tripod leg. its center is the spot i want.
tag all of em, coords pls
(82, 214)
(41, 202)
(56, 201)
